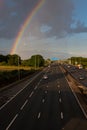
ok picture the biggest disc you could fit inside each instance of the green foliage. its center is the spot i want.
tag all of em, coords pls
(79, 60)
(25, 62)
(3, 63)
(36, 61)
(10, 60)
(15, 60)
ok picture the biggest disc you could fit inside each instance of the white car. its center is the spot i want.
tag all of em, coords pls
(45, 76)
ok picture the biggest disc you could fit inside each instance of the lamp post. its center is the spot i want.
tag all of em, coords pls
(18, 69)
(35, 62)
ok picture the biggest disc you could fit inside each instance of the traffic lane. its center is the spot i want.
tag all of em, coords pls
(39, 113)
(8, 92)
(50, 113)
(71, 109)
(52, 116)
(28, 116)
(79, 74)
(13, 106)
(47, 115)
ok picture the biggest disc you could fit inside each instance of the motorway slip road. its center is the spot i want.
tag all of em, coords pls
(44, 104)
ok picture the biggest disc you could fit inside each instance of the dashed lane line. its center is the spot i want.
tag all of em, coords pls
(31, 94)
(46, 91)
(19, 92)
(8, 127)
(43, 100)
(24, 104)
(39, 115)
(75, 97)
(58, 86)
(60, 100)
(35, 88)
(62, 115)
(59, 91)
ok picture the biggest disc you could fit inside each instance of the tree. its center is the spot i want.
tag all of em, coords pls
(36, 61)
(14, 60)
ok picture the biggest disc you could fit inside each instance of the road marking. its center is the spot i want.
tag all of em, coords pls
(12, 122)
(75, 96)
(43, 100)
(31, 94)
(39, 82)
(59, 91)
(35, 88)
(24, 104)
(46, 91)
(58, 85)
(39, 115)
(61, 115)
(60, 100)
(58, 82)
(20, 91)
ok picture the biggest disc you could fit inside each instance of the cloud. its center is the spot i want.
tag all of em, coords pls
(13, 14)
(79, 28)
(55, 15)
(59, 16)
(25, 54)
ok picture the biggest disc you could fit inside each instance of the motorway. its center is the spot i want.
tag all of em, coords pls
(44, 104)
(77, 73)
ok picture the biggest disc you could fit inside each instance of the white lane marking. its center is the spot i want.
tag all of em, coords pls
(61, 115)
(58, 85)
(35, 88)
(46, 91)
(60, 100)
(58, 82)
(75, 96)
(39, 115)
(19, 91)
(59, 91)
(24, 104)
(31, 94)
(12, 122)
(79, 104)
(43, 100)
(39, 82)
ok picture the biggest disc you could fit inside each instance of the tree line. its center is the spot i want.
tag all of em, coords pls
(15, 60)
(78, 60)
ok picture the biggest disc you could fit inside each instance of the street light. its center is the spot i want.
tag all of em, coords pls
(35, 62)
(18, 69)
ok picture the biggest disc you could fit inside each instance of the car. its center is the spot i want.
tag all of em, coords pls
(45, 76)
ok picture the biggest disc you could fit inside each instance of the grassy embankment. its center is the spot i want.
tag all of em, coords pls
(10, 74)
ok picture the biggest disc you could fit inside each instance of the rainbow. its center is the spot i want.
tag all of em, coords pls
(26, 23)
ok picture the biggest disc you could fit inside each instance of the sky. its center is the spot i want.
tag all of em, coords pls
(56, 28)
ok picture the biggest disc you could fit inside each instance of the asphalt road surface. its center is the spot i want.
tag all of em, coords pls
(45, 104)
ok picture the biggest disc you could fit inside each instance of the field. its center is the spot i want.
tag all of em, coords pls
(10, 68)
(10, 74)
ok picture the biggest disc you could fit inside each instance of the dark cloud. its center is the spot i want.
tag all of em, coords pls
(56, 14)
(59, 16)
(12, 16)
